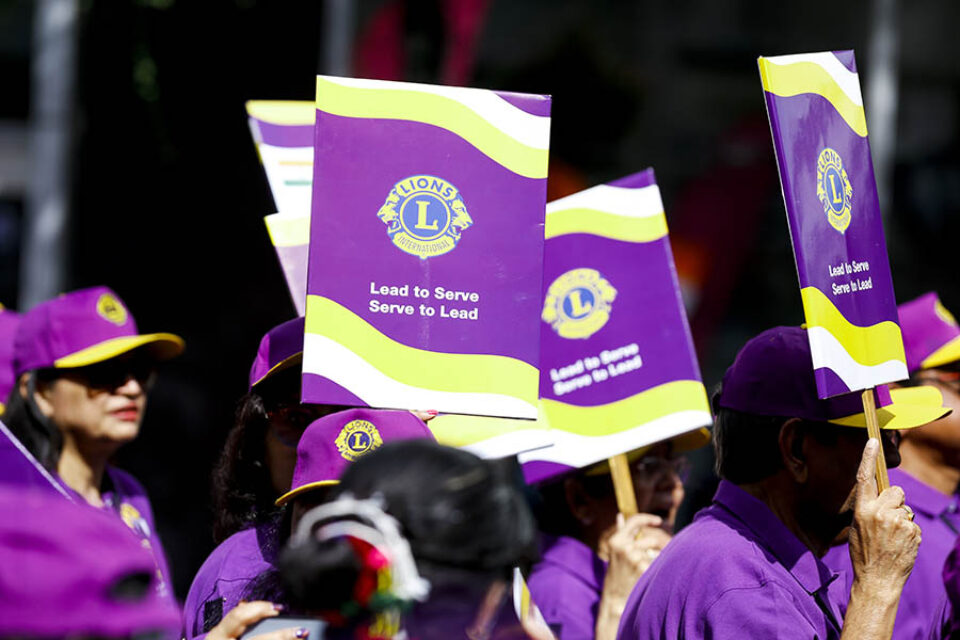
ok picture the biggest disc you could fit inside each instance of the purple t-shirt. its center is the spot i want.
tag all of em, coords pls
(232, 567)
(125, 496)
(923, 593)
(735, 572)
(566, 585)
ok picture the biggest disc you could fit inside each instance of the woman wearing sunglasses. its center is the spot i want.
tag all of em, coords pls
(82, 374)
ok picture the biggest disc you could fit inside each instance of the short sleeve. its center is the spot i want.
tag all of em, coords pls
(764, 612)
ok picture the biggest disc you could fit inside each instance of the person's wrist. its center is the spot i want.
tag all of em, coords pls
(875, 591)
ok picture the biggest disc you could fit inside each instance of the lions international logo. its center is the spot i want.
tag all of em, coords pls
(357, 438)
(578, 303)
(132, 518)
(833, 189)
(425, 216)
(111, 309)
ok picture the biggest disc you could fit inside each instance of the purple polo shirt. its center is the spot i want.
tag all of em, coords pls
(219, 584)
(735, 572)
(923, 593)
(566, 585)
(125, 496)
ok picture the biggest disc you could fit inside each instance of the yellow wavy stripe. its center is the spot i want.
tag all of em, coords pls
(868, 346)
(439, 111)
(288, 232)
(606, 225)
(807, 77)
(456, 430)
(646, 406)
(450, 372)
(288, 112)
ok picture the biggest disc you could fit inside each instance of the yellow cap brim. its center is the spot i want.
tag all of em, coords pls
(912, 407)
(286, 363)
(681, 444)
(946, 354)
(310, 486)
(161, 346)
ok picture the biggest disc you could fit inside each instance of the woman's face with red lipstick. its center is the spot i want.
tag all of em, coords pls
(100, 404)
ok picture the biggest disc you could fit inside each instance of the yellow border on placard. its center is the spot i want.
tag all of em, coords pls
(868, 346)
(787, 80)
(606, 225)
(626, 414)
(436, 110)
(432, 370)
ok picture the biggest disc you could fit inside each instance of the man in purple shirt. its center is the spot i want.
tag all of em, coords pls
(930, 463)
(792, 479)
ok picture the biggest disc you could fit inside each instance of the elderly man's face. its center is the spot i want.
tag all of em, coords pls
(830, 489)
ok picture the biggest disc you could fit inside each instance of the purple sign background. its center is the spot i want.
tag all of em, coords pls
(20, 469)
(648, 311)
(803, 126)
(357, 163)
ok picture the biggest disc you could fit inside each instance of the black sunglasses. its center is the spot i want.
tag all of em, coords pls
(113, 374)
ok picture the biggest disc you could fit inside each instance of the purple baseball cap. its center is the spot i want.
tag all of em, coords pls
(931, 336)
(8, 328)
(81, 328)
(70, 570)
(280, 348)
(332, 442)
(772, 375)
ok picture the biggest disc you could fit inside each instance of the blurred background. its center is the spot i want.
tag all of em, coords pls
(125, 160)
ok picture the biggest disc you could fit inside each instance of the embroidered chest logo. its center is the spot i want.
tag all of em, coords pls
(425, 216)
(834, 190)
(578, 303)
(111, 309)
(357, 438)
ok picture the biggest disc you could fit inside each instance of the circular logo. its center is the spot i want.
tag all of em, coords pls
(425, 216)
(357, 438)
(833, 189)
(111, 309)
(578, 303)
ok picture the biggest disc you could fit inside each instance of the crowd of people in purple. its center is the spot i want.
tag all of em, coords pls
(346, 522)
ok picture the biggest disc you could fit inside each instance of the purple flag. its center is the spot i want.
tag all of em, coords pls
(21, 470)
(820, 138)
(426, 248)
(618, 370)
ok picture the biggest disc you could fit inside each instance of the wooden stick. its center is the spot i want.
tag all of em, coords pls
(623, 484)
(873, 430)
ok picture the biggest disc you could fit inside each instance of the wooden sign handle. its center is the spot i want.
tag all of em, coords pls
(873, 430)
(623, 484)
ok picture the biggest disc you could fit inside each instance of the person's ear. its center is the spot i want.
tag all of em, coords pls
(39, 396)
(581, 505)
(792, 450)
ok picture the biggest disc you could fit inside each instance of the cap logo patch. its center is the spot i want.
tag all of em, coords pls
(358, 437)
(944, 314)
(578, 303)
(111, 309)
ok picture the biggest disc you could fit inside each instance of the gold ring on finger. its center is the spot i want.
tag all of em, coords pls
(909, 511)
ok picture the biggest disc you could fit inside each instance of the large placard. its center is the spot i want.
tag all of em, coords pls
(618, 366)
(823, 154)
(426, 248)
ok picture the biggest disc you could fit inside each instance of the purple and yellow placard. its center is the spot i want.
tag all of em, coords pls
(618, 370)
(820, 138)
(426, 248)
(283, 133)
(20, 469)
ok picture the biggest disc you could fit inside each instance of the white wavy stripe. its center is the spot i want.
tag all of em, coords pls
(531, 130)
(576, 450)
(330, 359)
(848, 80)
(634, 203)
(828, 352)
(510, 444)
